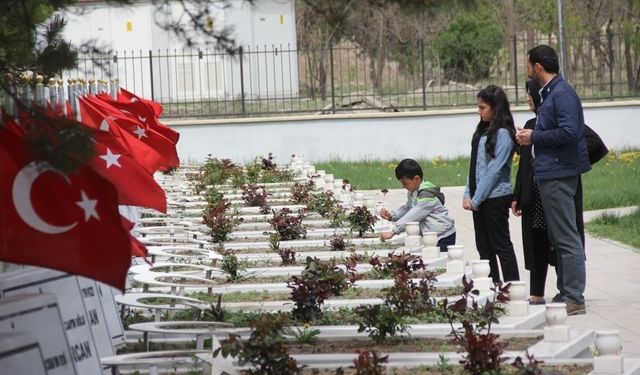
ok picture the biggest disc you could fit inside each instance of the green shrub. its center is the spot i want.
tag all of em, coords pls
(467, 47)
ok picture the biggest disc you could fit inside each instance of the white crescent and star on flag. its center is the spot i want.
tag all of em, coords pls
(21, 195)
(111, 159)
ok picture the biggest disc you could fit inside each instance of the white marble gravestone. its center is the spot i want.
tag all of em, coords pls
(33, 318)
(95, 316)
(20, 354)
(76, 320)
(111, 314)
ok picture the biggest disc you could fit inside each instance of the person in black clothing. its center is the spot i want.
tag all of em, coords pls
(527, 203)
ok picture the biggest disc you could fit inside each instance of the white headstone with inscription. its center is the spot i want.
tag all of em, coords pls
(33, 318)
(95, 316)
(20, 354)
(111, 314)
(76, 322)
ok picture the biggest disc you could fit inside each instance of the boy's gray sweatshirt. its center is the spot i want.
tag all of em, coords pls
(424, 206)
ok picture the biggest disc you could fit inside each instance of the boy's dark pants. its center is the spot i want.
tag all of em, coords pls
(444, 242)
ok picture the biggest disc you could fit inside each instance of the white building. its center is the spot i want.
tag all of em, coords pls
(154, 63)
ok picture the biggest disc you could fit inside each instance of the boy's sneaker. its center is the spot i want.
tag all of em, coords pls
(575, 308)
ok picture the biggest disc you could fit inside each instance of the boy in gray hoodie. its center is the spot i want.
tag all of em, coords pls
(425, 204)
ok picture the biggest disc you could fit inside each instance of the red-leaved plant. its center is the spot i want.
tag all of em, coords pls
(482, 351)
(300, 192)
(406, 296)
(265, 349)
(369, 362)
(338, 243)
(287, 225)
(318, 281)
(256, 196)
(219, 221)
(361, 220)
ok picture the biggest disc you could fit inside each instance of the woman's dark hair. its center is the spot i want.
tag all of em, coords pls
(533, 90)
(495, 97)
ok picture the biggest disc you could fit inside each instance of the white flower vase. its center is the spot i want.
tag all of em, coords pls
(608, 342)
(556, 313)
(413, 228)
(455, 253)
(518, 291)
(480, 268)
(369, 203)
(430, 239)
(328, 178)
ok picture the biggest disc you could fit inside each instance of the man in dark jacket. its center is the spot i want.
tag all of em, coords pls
(560, 157)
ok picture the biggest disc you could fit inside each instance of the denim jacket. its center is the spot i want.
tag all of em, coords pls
(493, 175)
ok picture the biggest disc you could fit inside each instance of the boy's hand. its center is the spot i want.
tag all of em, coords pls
(386, 236)
(385, 214)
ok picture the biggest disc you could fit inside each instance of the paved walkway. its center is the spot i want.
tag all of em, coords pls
(613, 271)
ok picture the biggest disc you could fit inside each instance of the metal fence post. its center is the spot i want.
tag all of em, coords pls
(242, 102)
(333, 89)
(151, 73)
(515, 66)
(424, 83)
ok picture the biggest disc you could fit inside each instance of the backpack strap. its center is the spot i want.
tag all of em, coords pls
(430, 193)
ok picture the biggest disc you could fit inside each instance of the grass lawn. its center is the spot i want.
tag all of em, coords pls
(624, 229)
(379, 174)
(613, 182)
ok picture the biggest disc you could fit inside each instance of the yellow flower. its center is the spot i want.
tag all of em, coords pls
(307, 325)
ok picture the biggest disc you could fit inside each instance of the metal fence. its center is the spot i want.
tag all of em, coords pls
(275, 80)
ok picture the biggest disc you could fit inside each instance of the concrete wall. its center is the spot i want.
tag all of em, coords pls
(374, 136)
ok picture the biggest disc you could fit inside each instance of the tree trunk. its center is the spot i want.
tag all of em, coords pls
(511, 33)
(628, 62)
(322, 80)
(312, 76)
(637, 86)
(373, 72)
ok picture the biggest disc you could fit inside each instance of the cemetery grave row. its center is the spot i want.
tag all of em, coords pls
(267, 269)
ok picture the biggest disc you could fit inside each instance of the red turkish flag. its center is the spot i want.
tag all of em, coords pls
(128, 96)
(69, 109)
(65, 222)
(139, 109)
(144, 133)
(146, 155)
(135, 186)
(137, 248)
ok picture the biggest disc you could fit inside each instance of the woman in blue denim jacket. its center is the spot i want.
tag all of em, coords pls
(488, 189)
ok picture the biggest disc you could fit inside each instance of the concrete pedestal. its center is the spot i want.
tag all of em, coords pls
(412, 241)
(483, 284)
(559, 333)
(430, 252)
(518, 308)
(609, 364)
(455, 266)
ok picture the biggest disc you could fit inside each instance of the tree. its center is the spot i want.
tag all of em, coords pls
(466, 48)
